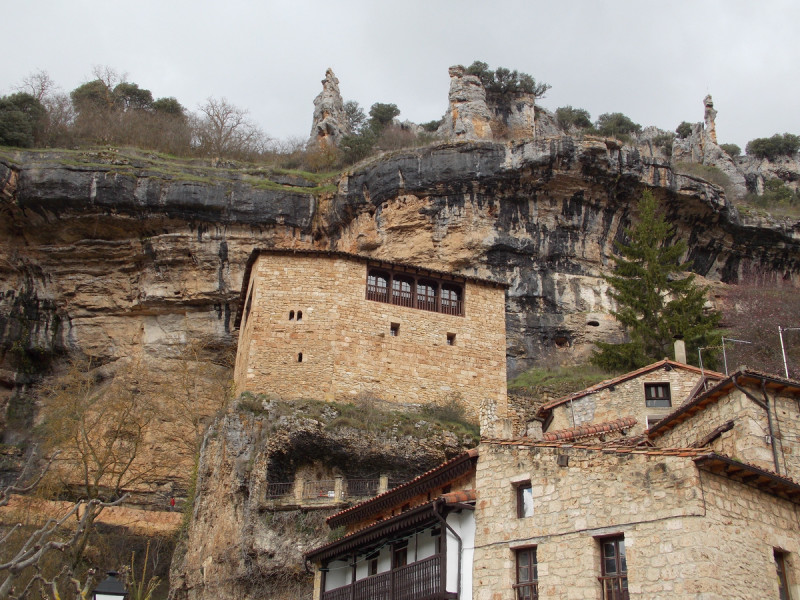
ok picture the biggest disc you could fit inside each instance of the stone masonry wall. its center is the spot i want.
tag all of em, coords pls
(748, 440)
(346, 343)
(688, 534)
(626, 400)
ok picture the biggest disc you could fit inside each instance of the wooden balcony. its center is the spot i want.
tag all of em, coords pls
(422, 580)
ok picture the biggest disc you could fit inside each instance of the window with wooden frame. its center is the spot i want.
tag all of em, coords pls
(613, 568)
(527, 580)
(780, 568)
(524, 498)
(400, 554)
(413, 291)
(657, 394)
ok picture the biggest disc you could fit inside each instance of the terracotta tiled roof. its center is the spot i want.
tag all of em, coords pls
(720, 390)
(609, 382)
(459, 497)
(611, 448)
(582, 431)
(447, 471)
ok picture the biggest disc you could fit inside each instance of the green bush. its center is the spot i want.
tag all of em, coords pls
(773, 147)
(664, 141)
(616, 125)
(776, 194)
(503, 81)
(432, 126)
(21, 120)
(573, 117)
(731, 150)
(684, 130)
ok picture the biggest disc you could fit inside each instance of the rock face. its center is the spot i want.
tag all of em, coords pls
(113, 256)
(468, 116)
(243, 545)
(330, 120)
(514, 113)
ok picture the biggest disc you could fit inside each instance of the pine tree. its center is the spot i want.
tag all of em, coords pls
(657, 300)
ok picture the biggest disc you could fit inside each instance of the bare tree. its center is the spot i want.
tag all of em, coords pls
(39, 85)
(29, 556)
(223, 129)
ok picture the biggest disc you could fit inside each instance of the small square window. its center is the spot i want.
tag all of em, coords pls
(657, 394)
(451, 339)
(524, 500)
(394, 329)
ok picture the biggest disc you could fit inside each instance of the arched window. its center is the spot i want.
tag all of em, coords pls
(452, 299)
(426, 294)
(291, 315)
(378, 286)
(403, 290)
(299, 315)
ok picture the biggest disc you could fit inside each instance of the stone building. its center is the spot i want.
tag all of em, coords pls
(414, 541)
(700, 505)
(647, 394)
(336, 325)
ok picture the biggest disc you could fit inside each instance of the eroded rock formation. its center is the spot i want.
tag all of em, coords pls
(468, 116)
(330, 120)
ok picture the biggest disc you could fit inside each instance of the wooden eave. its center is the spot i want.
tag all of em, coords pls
(373, 535)
(435, 478)
(751, 475)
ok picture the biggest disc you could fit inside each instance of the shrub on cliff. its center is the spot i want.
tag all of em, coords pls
(503, 81)
(656, 300)
(616, 125)
(731, 150)
(684, 130)
(773, 147)
(568, 117)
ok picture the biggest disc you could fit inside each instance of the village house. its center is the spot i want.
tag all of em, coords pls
(701, 504)
(311, 323)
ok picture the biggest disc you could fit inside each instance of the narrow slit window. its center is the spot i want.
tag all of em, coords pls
(394, 329)
(299, 357)
(291, 315)
(299, 315)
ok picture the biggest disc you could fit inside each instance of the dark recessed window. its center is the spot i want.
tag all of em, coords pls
(451, 339)
(299, 315)
(593, 323)
(780, 567)
(299, 357)
(614, 568)
(527, 585)
(373, 565)
(524, 493)
(400, 554)
(657, 394)
(291, 315)
(394, 329)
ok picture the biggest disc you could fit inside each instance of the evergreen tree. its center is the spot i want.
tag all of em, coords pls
(657, 301)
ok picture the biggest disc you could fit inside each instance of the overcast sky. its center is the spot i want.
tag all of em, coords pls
(653, 61)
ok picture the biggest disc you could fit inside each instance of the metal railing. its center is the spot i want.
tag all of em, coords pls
(362, 488)
(278, 490)
(323, 488)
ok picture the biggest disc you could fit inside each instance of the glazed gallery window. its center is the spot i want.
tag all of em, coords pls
(527, 585)
(614, 568)
(405, 289)
(657, 394)
(524, 493)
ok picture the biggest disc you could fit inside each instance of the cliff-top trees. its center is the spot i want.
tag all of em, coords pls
(773, 147)
(224, 129)
(504, 81)
(21, 120)
(656, 300)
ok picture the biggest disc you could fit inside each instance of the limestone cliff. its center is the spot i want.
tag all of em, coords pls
(114, 255)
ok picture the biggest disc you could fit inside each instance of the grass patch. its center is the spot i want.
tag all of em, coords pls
(558, 381)
(708, 173)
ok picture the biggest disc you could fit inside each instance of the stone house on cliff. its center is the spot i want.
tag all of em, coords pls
(336, 325)
(702, 504)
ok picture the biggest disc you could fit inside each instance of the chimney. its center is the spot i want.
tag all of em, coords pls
(680, 350)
